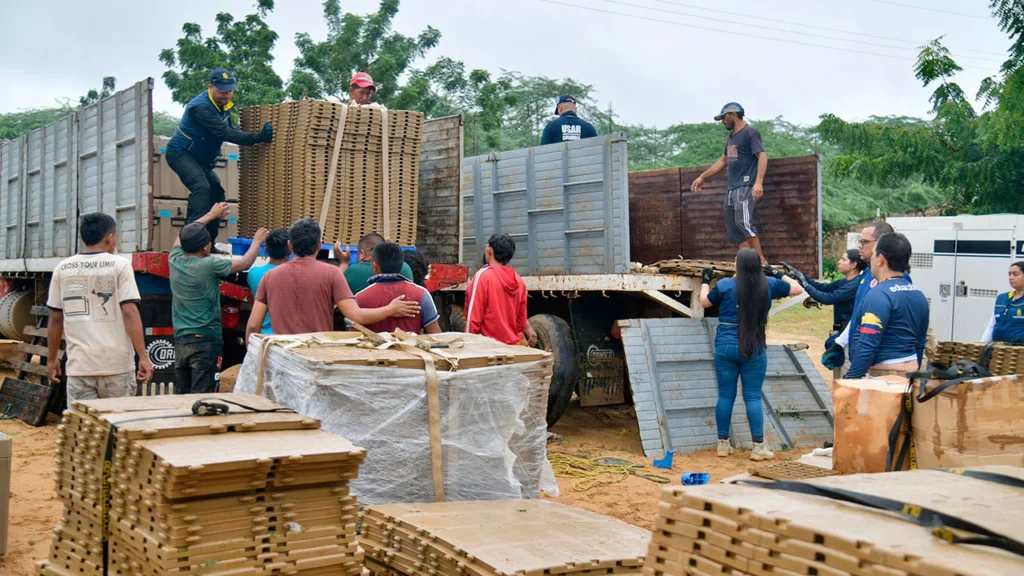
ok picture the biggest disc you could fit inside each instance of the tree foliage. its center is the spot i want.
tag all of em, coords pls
(976, 157)
(242, 46)
(94, 96)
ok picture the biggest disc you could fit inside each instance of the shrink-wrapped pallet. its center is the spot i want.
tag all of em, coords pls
(491, 406)
(865, 412)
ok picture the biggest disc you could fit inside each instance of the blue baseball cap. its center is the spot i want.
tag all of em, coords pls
(222, 80)
(564, 99)
(730, 107)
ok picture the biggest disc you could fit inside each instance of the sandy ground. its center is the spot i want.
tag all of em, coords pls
(590, 433)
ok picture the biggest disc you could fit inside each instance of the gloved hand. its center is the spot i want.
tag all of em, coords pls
(267, 134)
(834, 357)
(772, 272)
(706, 275)
(795, 274)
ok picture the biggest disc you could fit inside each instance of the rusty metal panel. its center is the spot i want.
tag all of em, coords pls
(675, 389)
(654, 217)
(566, 205)
(788, 217)
(437, 235)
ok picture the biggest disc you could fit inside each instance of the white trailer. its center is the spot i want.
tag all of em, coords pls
(960, 263)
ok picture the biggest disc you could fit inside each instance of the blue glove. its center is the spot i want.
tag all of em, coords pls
(834, 357)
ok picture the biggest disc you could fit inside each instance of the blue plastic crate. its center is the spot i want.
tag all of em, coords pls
(239, 246)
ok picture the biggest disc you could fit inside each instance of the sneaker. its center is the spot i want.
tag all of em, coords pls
(724, 448)
(761, 451)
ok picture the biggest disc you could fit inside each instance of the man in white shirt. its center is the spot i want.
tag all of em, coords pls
(93, 303)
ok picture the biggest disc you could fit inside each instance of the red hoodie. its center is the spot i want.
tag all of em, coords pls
(496, 304)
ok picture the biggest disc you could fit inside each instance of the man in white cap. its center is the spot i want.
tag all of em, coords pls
(747, 163)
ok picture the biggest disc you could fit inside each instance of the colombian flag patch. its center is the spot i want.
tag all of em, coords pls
(870, 324)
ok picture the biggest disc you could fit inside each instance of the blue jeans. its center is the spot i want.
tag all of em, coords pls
(730, 366)
(196, 364)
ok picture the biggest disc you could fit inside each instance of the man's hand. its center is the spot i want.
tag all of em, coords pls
(145, 373)
(706, 275)
(260, 236)
(402, 308)
(267, 134)
(343, 256)
(758, 190)
(697, 185)
(219, 211)
(53, 372)
(834, 357)
(530, 334)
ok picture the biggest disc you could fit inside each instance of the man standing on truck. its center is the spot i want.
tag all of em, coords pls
(195, 301)
(496, 297)
(747, 163)
(93, 303)
(301, 294)
(277, 249)
(568, 126)
(193, 150)
(358, 275)
(361, 90)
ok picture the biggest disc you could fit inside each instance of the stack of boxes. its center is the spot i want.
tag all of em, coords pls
(170, 196)
(287, 179)
(1005, 361)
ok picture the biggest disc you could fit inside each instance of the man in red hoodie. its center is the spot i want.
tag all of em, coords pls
(496, 297)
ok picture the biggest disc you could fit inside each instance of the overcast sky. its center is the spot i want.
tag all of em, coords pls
(673, 61)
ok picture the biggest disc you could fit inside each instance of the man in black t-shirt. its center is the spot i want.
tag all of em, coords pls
(747, 163)
(568, 126)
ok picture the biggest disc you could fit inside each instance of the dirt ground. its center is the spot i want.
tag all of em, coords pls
(590, 433)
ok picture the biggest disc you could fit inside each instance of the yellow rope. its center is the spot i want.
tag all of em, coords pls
(589, 473)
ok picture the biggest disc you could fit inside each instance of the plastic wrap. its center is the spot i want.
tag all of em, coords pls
(493, 425)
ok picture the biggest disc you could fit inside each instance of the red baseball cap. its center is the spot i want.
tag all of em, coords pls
(363, 80)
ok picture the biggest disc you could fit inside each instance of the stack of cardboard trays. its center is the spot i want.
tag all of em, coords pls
(743, 529)
(150, 489)
(1005, 360)
(497, 538)
(491, 433)
(375, 165)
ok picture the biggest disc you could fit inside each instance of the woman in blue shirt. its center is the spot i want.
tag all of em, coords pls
(740, 346)
(1007, 323)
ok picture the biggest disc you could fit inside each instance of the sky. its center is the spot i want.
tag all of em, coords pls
(657, 62)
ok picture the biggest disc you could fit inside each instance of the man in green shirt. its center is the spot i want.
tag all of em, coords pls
(195, 302)
(358, 275)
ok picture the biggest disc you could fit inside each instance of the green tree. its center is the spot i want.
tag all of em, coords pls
(164, 124)
(975, 155)
(360, 44)
(94, 96)
(242, 46)
(15, 124)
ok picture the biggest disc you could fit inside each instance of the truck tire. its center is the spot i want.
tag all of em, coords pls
(456, 318)
(555, 335)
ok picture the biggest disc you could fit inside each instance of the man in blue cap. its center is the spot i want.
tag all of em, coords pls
(195, 146)
(568, 126)
(747, 163)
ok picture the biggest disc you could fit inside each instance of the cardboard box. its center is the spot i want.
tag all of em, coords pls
(5, 488)
(865, 412)
(974, 423)
(167, 184)
(169, 219)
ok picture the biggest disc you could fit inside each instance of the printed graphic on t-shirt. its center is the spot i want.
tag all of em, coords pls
(732, 151)
(570, 132)
(88, 289)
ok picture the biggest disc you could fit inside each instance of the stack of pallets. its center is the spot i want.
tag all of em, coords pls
(288, 178)
(498, 537)
(1006, 360)
(257, 493)
(743, 529)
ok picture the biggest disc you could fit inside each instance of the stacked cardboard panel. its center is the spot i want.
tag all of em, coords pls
(247, 493)
(1005, 359)
(497, 538)
(287, 179)
(748, 530)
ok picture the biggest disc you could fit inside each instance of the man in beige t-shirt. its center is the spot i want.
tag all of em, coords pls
(94, 305)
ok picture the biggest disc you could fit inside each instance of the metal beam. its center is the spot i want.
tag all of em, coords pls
(674, 305)
(788, 304)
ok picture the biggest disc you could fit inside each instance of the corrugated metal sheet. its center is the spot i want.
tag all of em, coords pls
(788, 217)
(672, 375)
(566, 206)
(437, 234)
(654, 218)
(95, 159)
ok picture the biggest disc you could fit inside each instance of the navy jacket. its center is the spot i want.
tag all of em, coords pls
(839, 294)
(893, 325)
(1009, 318)
(567, 127)
(204, 127)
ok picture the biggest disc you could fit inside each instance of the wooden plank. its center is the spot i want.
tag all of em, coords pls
(40, 311)
(25, 400)
(40, 332)
(36, 350)
(37, 369)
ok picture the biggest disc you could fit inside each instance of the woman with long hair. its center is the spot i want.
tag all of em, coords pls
(740, 347)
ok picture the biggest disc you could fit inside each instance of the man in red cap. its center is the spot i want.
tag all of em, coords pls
(361, 90)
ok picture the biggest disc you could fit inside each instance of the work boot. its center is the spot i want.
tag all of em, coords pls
(724, 448)
(761, 451)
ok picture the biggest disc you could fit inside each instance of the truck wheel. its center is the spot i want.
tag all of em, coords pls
(554, 335)
(456, 318)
